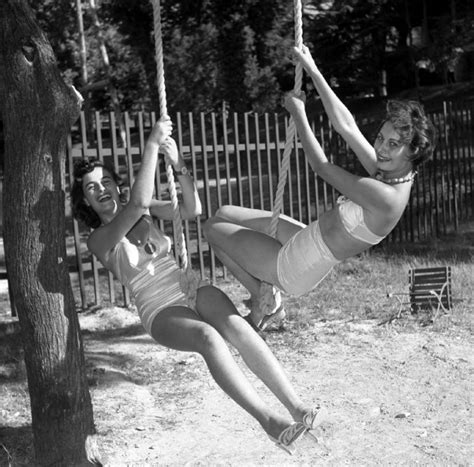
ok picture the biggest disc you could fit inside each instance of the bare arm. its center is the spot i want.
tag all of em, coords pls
(339, 115)
(103, 239)
(369, 193)
(191, 204)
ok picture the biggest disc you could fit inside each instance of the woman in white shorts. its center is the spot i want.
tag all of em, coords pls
(301, 256)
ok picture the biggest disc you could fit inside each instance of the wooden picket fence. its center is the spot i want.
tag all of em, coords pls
(235, 159)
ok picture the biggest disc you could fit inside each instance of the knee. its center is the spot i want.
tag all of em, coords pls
(207, 227)
(222, 214)
(225, 212)
(208, 340)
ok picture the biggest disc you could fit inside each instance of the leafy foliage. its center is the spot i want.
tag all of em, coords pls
(237, 53)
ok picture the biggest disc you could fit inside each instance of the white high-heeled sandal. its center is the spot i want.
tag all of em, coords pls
(313, 418)
(289, 436)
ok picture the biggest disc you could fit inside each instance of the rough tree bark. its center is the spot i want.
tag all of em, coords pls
(38, 109)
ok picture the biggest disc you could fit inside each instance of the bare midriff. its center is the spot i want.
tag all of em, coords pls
(341, 243)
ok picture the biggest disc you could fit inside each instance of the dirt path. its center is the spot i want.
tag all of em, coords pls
(393, 398)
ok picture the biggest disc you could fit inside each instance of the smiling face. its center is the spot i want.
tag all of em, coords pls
(393, 155)
(101, 192)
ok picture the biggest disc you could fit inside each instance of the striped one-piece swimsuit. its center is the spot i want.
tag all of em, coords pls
(152, 276)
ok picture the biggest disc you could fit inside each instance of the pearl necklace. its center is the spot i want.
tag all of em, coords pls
(395, 181)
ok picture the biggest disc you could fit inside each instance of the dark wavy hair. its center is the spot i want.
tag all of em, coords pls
(415, 128)
(80, 210)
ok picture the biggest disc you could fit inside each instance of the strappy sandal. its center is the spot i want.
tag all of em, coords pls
(274, 320)
(289, 436)
(313, 418)
(275, 316)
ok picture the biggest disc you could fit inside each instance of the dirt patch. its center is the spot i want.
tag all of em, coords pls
(395, 394)
(393, 398)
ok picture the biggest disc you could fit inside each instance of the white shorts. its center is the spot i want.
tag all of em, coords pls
(304, 261)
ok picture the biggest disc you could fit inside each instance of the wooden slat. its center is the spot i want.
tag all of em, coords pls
(289, 186)
(429, 281)
(249, 160)
(194, 171)
(324, 145)
(179, 143)
(316, 182)
(307, 181)
(226, 157)
(237, 158)
(259, 162)
(77, 238)
(116, 165)
(296, 159)
(268, 152)
(429, 270)
(128, 150)
(289, 190)
(425, 289)
(100, 156)
(416, 299)
(207, 194)
(216, 159)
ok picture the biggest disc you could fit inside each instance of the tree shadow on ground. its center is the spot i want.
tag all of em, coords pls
(16, 445)
(117, 335)
(100, 366)
(108, 334)
(12, 367)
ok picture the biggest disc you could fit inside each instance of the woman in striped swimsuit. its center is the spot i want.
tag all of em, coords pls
(176, 311)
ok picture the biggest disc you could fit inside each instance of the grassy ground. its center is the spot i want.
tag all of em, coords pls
(397, 394)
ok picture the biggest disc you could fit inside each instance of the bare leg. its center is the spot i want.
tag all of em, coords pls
(259, 220)
(227, 220)
(254, 351)
(181, 329)
(251, 283)
(253, 251)
(237, 236)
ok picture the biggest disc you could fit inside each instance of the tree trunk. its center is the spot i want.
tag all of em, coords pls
(38, 110)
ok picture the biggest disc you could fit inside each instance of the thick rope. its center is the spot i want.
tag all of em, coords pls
(291, 130)
(267, 291)
(180, 242)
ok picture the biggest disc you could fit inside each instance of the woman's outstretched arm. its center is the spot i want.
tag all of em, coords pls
(339, 115)
(103, 239)
(363, 190)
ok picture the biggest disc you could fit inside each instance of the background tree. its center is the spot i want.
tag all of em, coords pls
(359, 42)
(237, 52)
(37, 110)
(213, 51)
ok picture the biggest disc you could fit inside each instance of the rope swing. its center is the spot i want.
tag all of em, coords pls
(267, 291)
(179, 240)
